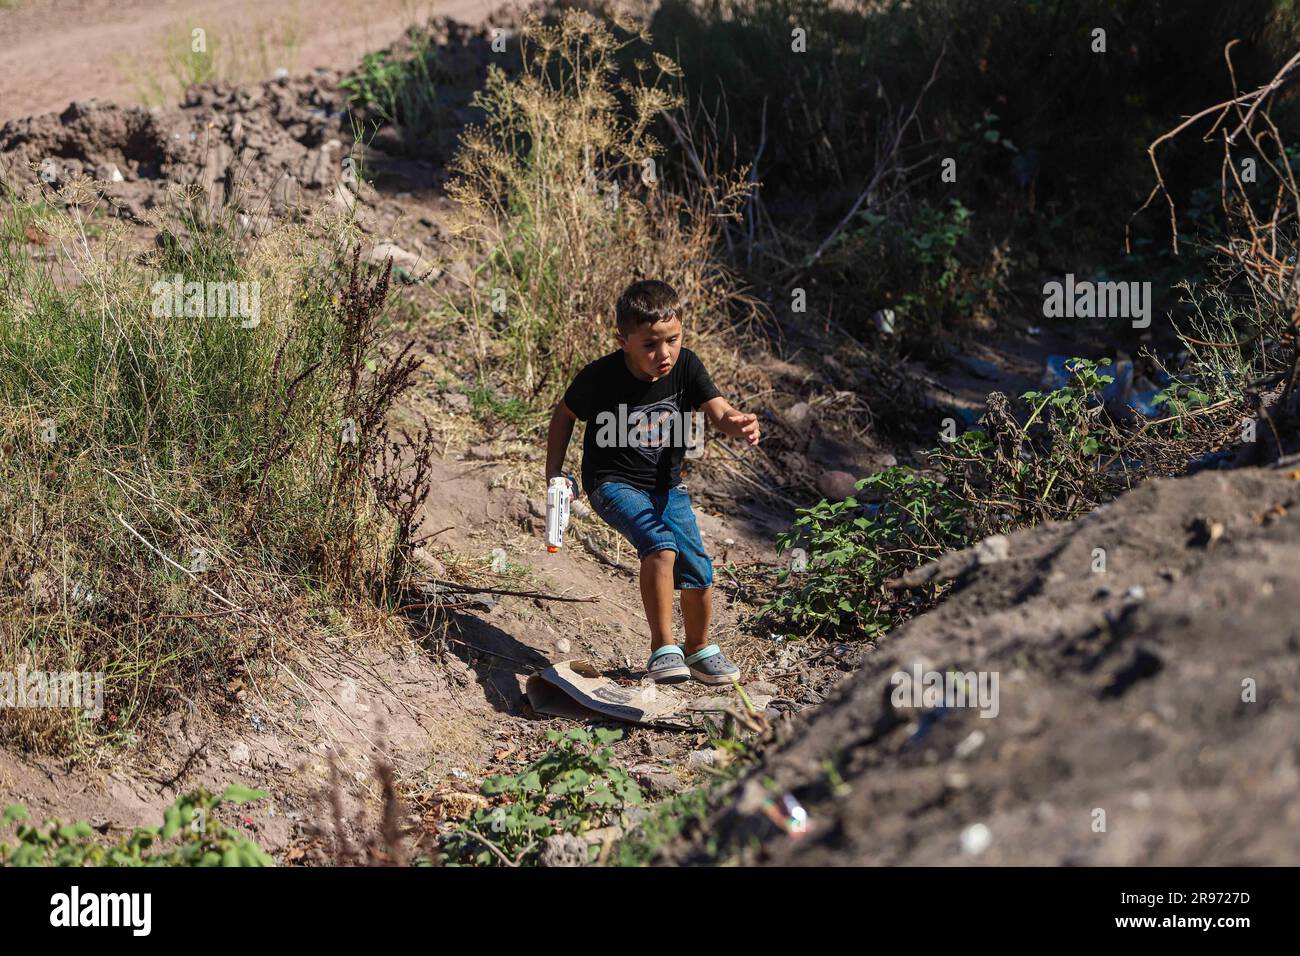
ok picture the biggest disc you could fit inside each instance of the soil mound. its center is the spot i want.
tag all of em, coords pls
(1146, 713)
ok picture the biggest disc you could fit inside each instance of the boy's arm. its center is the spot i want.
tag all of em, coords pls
(557, 439)
(730, 421)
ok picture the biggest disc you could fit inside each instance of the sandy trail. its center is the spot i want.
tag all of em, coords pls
(56, 51)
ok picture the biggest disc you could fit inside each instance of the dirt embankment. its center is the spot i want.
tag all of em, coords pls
(56, 51)
(1147, 713)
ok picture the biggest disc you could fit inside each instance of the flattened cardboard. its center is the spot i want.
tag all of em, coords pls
(575, 689)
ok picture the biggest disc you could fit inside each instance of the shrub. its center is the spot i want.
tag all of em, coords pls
(200, 839)
(162, 473)
(1012, 474)
(561, 204)
(573, 788)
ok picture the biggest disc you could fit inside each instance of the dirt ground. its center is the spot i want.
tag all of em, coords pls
(55, 51)
(445, 707)
(1147, 713)
(1119, 691)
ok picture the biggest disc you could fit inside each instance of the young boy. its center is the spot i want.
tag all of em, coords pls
(640, 405)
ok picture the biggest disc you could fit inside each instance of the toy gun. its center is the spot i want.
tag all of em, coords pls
(558, 495)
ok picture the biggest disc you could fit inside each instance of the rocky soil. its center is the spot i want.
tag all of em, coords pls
(1147, 713)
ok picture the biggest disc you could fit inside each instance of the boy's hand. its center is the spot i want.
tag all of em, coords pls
(739, 425)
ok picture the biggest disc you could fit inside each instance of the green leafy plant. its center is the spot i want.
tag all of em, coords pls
(1013, 473)
(199, 838)
(399, 89)
(852, 549)
(1048, 467)
(573, 788)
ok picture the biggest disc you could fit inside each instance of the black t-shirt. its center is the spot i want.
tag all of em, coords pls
(639, 432)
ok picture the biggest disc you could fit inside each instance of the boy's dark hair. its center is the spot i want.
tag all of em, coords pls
(646, 302)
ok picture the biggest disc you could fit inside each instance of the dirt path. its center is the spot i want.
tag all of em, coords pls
(56, 51)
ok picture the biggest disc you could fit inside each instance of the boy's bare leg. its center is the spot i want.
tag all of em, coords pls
(657, 595)
(697, 612)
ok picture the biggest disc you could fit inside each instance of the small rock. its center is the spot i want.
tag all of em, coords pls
(457, 401)
(836, 485)
(881, 461)
(240, 754)
(479, 453)
(535, 509)
(380, 252)
(563, 645)
(660, 784)
(798, 417)
(579, 508)
(971, 744)
(427, 563)
(975, 839)
(702, 758)
(563, 849)
(993, 549)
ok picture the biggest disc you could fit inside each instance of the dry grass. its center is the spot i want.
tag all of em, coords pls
(561, 204)
(195, 486)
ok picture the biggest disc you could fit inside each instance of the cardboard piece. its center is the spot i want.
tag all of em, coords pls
(577, 690)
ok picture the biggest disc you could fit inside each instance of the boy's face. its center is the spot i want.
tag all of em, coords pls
(652, 349)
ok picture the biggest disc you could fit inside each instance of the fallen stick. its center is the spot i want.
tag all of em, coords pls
(465, 588)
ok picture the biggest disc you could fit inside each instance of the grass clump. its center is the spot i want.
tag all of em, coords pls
(573, 788)
(190, 826)
(1048, 463)
(171, 474)
(561, 204)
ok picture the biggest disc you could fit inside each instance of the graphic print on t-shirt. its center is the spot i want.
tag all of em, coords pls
(638, 432)
(650, 428)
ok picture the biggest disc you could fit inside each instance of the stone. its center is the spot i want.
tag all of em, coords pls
(798, 417)
(660, 784)
(427, 563)
(836, 485)
(993, 549)
(563, 849)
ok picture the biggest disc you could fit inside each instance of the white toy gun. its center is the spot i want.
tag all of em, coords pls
(558, 495)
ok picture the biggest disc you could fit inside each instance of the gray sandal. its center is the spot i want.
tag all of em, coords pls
(710, 666)
(667, 665)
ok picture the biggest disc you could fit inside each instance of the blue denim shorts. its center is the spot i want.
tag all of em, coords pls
(657, 521)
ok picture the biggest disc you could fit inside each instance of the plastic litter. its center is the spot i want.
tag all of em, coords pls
(1144, 403)
(788, 814)
(979, 368)
(975, 839)
(1055, 375)
(1210, 460)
